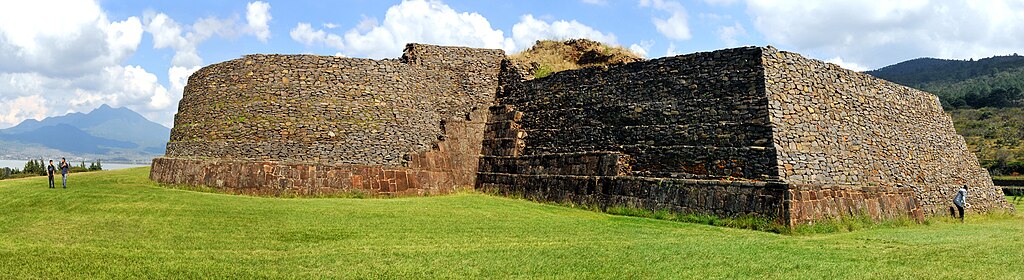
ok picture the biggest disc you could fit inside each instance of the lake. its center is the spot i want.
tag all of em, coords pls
(19, 164)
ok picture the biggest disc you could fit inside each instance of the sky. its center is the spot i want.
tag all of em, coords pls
(58, 57)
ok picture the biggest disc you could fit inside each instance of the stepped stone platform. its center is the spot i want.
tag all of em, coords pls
(749, 131)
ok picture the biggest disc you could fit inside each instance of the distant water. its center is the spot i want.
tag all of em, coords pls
(19, 164)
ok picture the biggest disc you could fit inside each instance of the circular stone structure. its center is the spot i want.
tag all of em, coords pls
(317, 125)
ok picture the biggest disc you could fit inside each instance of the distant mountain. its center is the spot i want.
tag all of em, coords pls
(103, 131)
(68, 138)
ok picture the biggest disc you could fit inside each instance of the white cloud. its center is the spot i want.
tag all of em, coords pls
(877, 33)
(63, 56)
(433, 22)
(178, 76)
(642, 48)
(67, 56)
(21, 108)
(595, 2)
(304, 33)
(63, 38)
(728, 34)
(675, 26)
(429, 22)
(529, 30)
(330, 25)
(119, 86)
(671, 51)
(257, 16)
(845, 64)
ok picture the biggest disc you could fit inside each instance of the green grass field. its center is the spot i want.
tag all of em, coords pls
(118, 224)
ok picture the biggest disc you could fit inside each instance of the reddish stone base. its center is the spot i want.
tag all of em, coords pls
(290, 179)
(810, 203)
(783, 203)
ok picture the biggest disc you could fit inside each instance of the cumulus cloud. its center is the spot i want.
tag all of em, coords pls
(63, 38)
(63, 56)
(877, 33)
(642, 48)
(184, 40)
(21, 108)
(430, 22)
(846, 64)
(304, 33)
(729, 34)
(595, 2)
(433, 22)
(674, 27)
(257, 16)
(115, 85)
(529, 29)
(67, 56)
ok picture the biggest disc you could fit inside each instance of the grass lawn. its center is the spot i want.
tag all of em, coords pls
(119, 224)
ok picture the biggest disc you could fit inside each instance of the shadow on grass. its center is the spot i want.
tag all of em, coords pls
(835, 225)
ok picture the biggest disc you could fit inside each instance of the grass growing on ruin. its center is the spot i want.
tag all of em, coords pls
(117, 224)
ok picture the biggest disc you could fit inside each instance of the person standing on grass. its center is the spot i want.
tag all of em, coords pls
(960, 200)
(50, 170)
(64, 168)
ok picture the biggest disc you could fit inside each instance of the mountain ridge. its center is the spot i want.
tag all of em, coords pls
(104, 131)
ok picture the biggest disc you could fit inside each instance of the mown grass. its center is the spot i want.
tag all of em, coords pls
(117, 224)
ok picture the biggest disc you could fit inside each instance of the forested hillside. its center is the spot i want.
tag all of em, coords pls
(984, 97)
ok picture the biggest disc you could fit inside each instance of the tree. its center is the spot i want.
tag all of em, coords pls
(33, 167)
(95, 166)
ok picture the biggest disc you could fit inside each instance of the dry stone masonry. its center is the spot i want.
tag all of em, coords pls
(317, 125)
(739, 132)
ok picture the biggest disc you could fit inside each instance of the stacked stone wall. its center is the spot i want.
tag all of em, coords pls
(423, 112)
(687, 133)
(713, 197)
(833, 126)
(694, 116)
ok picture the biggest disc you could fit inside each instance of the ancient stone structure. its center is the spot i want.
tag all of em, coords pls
(745, 131)
(318, 125)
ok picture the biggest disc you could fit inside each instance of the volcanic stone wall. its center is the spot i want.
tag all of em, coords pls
(694, 116)
(747, 131)
(686, 133)
(386, 115)
(833, 126)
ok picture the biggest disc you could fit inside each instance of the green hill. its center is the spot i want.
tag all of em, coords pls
(118, 224)
(984, 98)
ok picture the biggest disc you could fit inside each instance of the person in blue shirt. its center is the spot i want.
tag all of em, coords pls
(960, 200)
(50, 171)
(64, 168)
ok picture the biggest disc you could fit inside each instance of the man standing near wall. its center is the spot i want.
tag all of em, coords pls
(64, 168)
(960, 200)
(50, 171)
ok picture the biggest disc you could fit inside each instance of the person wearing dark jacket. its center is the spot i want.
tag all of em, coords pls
(50, 170)
(960, 200)
(64, 168)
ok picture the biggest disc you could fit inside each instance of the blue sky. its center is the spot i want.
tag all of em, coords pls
(67, 56)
